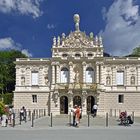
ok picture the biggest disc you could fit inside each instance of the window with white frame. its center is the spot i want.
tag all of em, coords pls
(89, 75)
(34, 78)
(121, 98)
(64, 75)
(34, 98)
(120, 78)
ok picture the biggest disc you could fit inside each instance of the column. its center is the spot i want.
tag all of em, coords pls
(57, 74)
(84, 104)
(84, 72)
(97, 73)
(53, 74)
(70, 72)
(70, 99)
(113, 75)
(101, 73)
(126, 76)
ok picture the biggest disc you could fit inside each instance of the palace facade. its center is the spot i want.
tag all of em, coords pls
(78, 74)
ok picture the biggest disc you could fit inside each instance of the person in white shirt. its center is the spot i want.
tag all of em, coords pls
(4, 120)
(95, 107)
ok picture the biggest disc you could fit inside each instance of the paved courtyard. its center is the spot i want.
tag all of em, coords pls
(61, 130)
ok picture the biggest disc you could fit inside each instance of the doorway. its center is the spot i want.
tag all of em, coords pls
(63, 105)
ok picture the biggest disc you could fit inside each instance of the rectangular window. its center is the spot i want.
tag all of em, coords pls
(120, 98)
(120, 78)
(34, 98)
(34, 78)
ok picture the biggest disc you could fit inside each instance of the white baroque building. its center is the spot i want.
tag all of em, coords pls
(78, 73)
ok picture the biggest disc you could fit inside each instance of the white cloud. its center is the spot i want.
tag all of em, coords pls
(122, 31)
(25, 7)
(8, 43)
(24, 51)
(50, 26)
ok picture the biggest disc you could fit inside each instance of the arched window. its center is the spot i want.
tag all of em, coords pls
(90, 54)
(89, 75)
(64, 76)
(65, 55)
(132, 80)
(108, 80)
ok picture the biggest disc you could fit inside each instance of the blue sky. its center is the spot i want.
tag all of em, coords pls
(30, 25)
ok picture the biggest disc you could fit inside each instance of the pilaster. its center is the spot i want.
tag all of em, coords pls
(71, 72)
(114, 75)
(84, 72)
(97, 73)
(53, 74)
(57, 74)
(102, 74)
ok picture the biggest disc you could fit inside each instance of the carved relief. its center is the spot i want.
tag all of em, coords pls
(133, 70)
(77, 39)
(120, 68)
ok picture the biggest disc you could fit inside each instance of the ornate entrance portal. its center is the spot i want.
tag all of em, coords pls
(63, 105)
(90, 103)
(77, 100)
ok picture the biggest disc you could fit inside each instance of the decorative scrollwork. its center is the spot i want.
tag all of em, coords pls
(93, 87)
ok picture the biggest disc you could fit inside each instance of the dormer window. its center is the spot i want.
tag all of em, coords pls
(90, 54)
(77, 55)
(65, 55)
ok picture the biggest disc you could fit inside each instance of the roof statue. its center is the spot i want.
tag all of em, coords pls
(77, 21)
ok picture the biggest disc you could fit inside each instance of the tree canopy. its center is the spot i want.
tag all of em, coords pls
(7, 70)
(135, 52)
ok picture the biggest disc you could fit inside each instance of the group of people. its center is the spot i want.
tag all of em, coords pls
(125, 119)
(77, 115)
(7, 117)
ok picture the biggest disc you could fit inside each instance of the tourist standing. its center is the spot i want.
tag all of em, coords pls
(74, 115)
(4, 120)
(77, 112)
(95, 107)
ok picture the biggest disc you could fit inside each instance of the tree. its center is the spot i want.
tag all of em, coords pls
(106, 54)
(135, 52)
(1, 108)
(7, 70)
